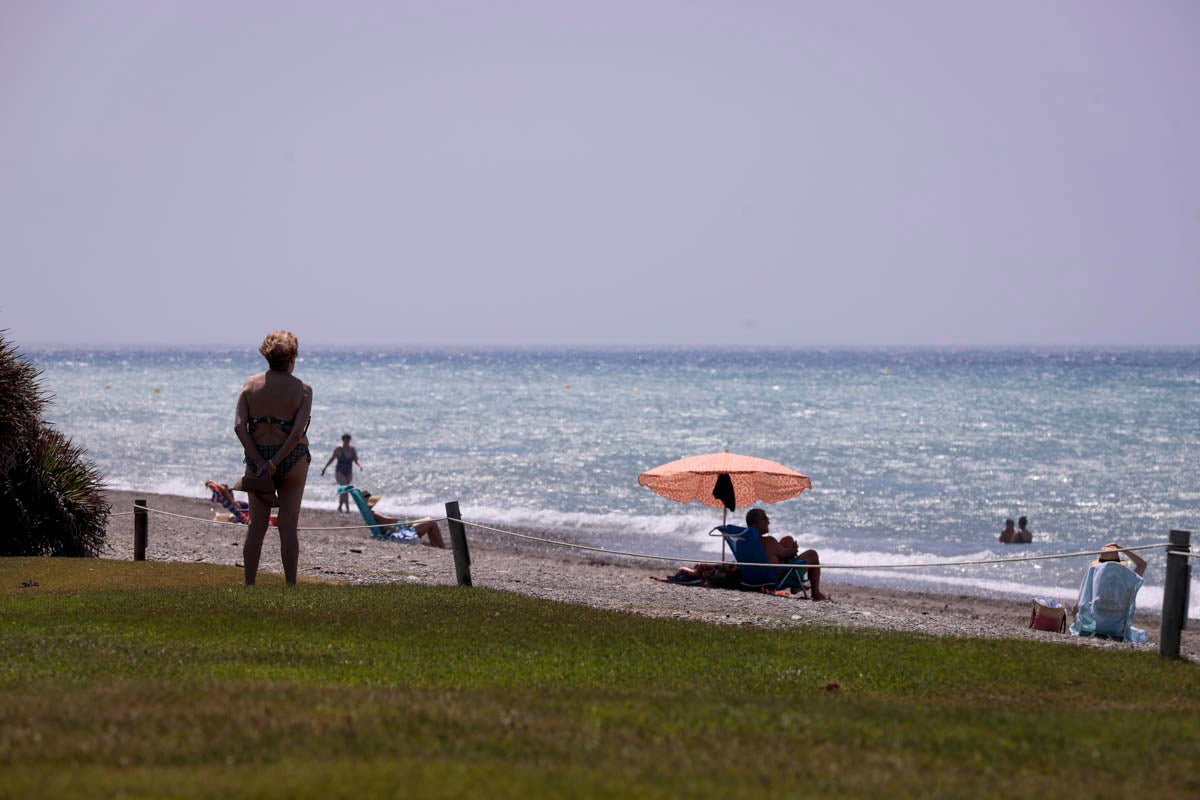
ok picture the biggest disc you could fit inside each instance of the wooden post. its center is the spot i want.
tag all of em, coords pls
(458, 540)
(1175, 595)
(141, 523)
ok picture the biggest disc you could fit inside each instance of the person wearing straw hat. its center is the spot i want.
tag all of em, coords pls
(1107, 596)
(1113, 551)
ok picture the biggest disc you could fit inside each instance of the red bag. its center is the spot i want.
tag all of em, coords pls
(1048, 615)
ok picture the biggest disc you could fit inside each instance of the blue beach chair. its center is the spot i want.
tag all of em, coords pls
(393, 530)
(749, 551)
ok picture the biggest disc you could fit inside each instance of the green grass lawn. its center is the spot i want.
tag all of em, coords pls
(166, 680)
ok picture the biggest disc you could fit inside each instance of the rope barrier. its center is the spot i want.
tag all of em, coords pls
(195, 519)
(604, 550)
(402, 523)
(973, 562)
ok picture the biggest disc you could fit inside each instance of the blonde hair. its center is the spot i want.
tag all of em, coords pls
(279, 349)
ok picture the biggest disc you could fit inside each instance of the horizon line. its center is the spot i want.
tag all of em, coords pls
(480, 347)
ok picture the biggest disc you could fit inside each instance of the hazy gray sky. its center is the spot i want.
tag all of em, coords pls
(611, 173)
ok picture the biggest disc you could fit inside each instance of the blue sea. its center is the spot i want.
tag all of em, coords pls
(915, 456)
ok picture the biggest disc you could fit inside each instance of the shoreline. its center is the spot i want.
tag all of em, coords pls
(574, 576)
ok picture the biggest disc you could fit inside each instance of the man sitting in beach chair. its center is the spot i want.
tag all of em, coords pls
(752, 548)
(385, 527)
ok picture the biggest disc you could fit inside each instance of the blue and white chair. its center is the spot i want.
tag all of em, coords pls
(751, 556)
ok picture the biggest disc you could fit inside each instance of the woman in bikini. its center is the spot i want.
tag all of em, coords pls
(271, 421)
(346, 457)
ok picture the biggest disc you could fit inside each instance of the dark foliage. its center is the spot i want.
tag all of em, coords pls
(21, 404)
(51, 496)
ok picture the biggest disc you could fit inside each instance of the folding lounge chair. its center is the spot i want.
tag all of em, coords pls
(749, 550)
(223, 496)
(394, 530)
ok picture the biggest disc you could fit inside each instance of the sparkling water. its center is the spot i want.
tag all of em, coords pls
(915, 456)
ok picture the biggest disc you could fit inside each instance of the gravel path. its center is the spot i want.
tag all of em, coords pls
(572, 576)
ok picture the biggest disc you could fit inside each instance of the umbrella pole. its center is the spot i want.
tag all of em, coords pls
(724, 517)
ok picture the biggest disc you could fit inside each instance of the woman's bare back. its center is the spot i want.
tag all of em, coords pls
(274, 394)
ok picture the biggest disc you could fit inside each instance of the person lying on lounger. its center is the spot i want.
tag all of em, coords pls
(427, 528)
(237, 510)
(783, 551)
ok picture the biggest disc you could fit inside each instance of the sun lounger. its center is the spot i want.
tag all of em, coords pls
(221, 495)
(390, 530)
(749, 552)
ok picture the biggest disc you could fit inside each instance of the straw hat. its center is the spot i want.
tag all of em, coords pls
(1110, 552)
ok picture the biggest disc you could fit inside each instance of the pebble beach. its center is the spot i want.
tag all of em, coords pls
(334, 547)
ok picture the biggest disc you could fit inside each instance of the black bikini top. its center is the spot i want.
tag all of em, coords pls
(286, 424)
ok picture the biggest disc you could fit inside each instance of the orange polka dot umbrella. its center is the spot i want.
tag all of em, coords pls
(725, 480)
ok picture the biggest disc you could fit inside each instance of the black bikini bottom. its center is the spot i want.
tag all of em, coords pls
(298, 454)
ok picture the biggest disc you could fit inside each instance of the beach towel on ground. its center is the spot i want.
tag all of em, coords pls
(720, 576)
